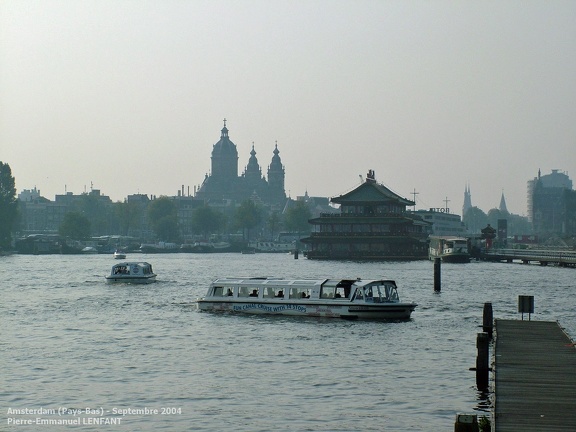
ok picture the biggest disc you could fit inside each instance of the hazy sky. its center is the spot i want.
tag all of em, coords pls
(130, 96)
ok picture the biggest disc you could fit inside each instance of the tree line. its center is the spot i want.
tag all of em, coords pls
(90, 216)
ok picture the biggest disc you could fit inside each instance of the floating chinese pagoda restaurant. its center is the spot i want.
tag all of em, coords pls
(373, 224)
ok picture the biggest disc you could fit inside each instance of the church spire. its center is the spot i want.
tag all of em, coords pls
(467, 200)
(502, 207)
(276, 176)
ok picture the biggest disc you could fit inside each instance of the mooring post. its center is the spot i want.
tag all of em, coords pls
(487, 319)
(482, 361)
(296, 254)
(466, 423)
(437, 272)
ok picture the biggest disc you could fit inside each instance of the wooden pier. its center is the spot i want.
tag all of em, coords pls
(535, 377)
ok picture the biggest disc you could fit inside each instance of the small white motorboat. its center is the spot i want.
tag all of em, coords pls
(132, 272)
(338, 298)
(118, 254)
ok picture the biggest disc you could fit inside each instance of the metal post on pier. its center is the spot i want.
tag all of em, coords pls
(437, 274)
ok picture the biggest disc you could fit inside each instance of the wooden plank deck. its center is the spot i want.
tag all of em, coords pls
(535, 377)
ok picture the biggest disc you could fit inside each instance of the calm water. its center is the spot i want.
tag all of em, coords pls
(70, 340)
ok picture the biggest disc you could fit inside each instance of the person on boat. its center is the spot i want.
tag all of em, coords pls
(280, 294)
(229, 293)
(254, 293)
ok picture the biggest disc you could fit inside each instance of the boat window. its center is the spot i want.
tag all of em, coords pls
(380, 293)
(327, 292)
(243, 292)
(121, 270)
(254, 292)
(359, 294)
(218, 291)
(340, 292)
(299, 293)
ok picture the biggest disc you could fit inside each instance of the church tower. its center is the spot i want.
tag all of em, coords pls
(467, 201)
(276, 177)
(254, 184)
(253, 173)
(224, 159)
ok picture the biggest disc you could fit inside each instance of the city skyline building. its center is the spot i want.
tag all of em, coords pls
(224, 184)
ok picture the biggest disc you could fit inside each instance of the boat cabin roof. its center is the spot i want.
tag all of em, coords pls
(131, 267)
(325, 283)
(135, 263)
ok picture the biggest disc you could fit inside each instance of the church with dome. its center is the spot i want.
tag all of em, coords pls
(224, 184)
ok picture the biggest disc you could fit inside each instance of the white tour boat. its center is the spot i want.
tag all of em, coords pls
(132, 272)
(339, 298)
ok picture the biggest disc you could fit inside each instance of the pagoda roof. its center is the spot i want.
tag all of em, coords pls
(371, 192)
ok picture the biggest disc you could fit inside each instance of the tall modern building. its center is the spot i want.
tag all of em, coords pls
(551, 204)
(224, 184)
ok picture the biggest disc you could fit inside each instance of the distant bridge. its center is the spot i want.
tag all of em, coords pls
(563, 258)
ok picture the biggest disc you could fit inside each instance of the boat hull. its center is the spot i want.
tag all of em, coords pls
(455, 258)
(345, 309)
(130, 279)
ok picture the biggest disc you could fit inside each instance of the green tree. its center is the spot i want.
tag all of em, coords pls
(475, 219)
(128, 214)
(97, 212)
(248, 216)
(206, 220)
(163, 217)
(8, 205)
(75, 226)
(273, 223)
(297, 216)
(166, 228)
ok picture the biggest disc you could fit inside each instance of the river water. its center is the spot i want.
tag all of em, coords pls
(71, 341)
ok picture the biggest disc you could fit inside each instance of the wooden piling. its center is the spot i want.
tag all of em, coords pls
(482, 361)
(466, 423)
(437, 274)
(296, 254)
(487, 319)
